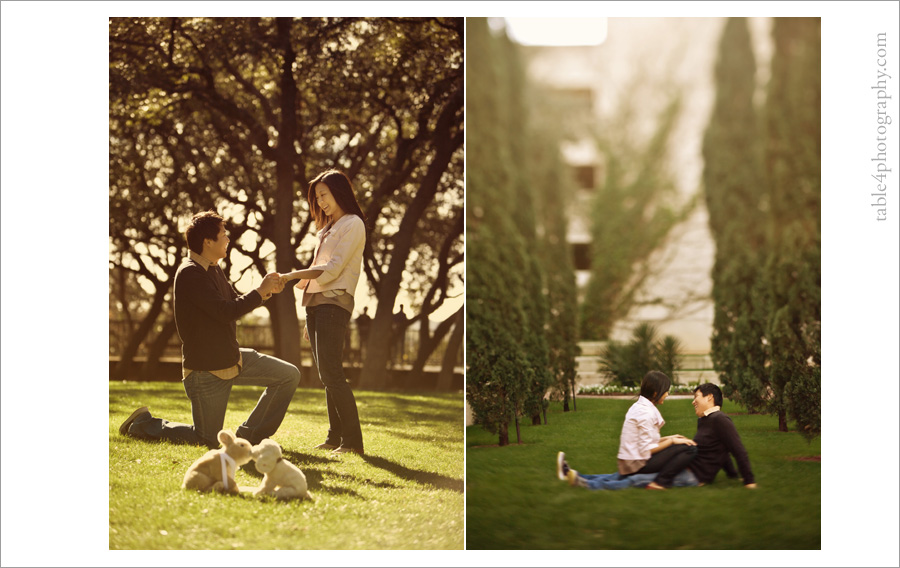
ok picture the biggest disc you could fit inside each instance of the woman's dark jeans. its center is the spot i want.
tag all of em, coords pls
(669, 463)
(327, 326)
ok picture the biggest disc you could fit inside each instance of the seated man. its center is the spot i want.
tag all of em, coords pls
(717, 440)
(206, 309)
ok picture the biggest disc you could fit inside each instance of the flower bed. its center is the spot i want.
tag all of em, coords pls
(620, 390)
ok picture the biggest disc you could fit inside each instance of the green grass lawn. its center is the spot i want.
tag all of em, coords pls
(405, 493)
(515, 501)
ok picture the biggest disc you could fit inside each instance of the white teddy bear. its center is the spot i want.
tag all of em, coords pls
(281, 478)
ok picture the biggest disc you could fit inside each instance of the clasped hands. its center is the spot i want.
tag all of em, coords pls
(272, 283)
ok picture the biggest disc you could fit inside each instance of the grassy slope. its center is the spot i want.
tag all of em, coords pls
(406, 493)
(515, 501)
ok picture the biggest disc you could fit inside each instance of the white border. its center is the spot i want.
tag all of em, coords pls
(54, 170)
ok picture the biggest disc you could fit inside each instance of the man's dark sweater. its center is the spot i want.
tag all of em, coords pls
(717, 440)
(206, 309)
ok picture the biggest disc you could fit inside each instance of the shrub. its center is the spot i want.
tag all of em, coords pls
(627, 363)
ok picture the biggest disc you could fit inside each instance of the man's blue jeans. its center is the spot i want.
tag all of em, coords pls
(614, 481)
(209, 398)
(327, 326)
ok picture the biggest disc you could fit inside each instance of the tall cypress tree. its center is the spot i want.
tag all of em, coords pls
(793, 271)
(735, 192)
(553, 191)
(513, 354)
(556, 257)
(498, 369)
(520, 138)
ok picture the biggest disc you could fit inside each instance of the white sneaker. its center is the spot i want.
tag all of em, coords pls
(562, 468)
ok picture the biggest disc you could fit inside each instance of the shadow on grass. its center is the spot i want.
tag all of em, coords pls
(367, 482)
(296, 457)
(448, 442)
(424, 477)
(313, 476)
(314, 479)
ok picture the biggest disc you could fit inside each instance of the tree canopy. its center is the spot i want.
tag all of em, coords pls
(238, 113)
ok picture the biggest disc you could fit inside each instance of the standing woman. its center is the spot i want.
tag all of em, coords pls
(328, 289)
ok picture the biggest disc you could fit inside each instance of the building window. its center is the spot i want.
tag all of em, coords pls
(584, 176)
(582, 255)
(576, 101)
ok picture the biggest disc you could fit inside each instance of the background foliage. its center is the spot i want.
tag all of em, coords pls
(512, 356)
(763, 190)
(627, 363)
(632, 211)
(237, 114)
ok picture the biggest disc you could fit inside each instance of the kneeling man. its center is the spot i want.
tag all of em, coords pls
(206, 310)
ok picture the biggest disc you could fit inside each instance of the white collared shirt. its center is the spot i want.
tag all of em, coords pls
(709, 411)
(640, 432)
(204, 262)
(339, 255)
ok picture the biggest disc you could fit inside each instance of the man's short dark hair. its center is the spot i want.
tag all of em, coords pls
(655, 385)
(707, 389)
(205, 225)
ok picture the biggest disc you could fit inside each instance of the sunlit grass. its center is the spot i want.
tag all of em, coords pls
(405, 493)
(515, 501)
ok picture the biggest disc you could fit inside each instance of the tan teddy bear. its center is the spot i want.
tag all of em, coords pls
(281, 478)
(215, 470)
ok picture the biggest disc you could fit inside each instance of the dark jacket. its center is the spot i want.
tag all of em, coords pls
(717, 440)
(206, 309)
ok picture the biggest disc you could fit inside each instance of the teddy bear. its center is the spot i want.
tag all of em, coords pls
(214, 471)
(281, 478)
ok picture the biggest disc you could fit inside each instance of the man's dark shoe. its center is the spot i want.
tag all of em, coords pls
(123, 429)
(326, 446)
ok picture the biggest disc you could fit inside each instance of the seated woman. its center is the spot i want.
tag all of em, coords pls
(642, 451)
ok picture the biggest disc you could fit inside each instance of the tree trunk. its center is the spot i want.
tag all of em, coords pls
(285, 325)
(150, 368)
(782, 421)
(123, 368)
(445, 378)
(574, 405)
(427, 345)
(373, 372)
(503, 432)
(518, 432)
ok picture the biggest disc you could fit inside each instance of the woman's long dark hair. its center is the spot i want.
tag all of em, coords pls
(655, 385)
(342, 190)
